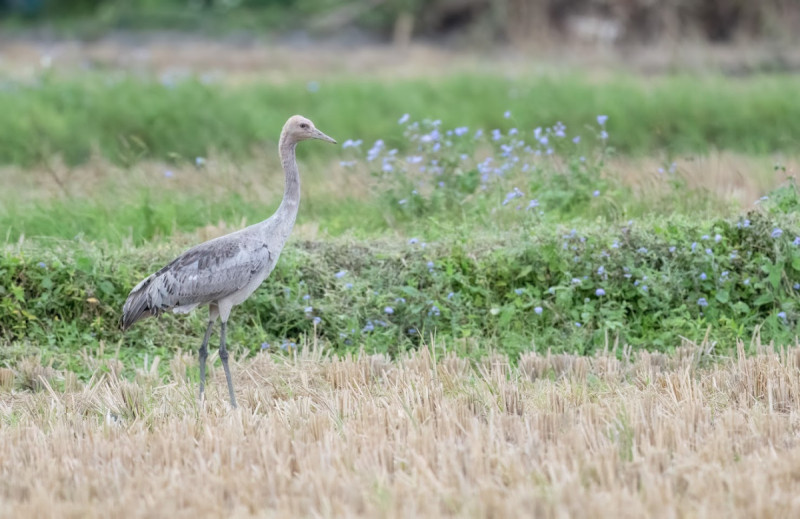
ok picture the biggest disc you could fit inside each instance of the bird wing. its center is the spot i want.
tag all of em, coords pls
(211, 270)
(203, 274)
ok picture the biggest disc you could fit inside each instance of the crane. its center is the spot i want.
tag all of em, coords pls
(225, 271)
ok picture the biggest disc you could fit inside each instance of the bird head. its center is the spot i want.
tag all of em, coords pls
(298, 128)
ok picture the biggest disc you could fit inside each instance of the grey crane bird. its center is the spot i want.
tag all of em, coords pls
(223, 272)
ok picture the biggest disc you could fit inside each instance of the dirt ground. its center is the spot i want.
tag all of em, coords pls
(231, 60)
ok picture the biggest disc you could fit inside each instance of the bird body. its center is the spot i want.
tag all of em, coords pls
(225, 271)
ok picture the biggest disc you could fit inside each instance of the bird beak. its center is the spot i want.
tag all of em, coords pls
(321, 136)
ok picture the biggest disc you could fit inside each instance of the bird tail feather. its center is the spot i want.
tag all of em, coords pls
(137, 306)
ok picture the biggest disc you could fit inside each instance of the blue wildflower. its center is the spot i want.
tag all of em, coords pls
(340, 274)
(350, 143)
(518, 291)
(507, 114)
(42, 264)
(264, 345)
(599, 292)
(309, 309)
(538, 310)
(702, 301)
(601, 119)
(306, 297)
(782, 315)
(317, 320)
(703, 276)
(404, 119)
(388, 310)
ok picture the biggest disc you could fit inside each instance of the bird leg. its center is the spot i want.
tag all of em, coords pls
(223, 355)
(203, 353)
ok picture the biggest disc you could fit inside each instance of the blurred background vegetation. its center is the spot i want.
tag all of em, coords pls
(517, 21)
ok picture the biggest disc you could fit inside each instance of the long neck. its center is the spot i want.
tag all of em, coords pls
(287, 212)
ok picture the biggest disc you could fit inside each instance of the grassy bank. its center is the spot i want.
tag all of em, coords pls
(646, 284)
(128, 119)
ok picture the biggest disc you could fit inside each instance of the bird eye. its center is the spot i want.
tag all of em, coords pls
(303, 126)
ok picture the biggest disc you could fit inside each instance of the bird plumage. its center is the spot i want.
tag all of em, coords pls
(204, 274)
(223, 272)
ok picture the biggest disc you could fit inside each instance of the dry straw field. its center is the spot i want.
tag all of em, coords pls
(629, 435)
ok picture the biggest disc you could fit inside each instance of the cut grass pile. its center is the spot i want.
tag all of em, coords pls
(619, 435)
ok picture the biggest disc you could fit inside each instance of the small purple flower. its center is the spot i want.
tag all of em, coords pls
(604, 135)
(42, 264)
(317, 320)
(306, 297)
(450, 295)
(400, 300)
(797, 286)
(596, 193)
(461, 130)
(672, 249)
(430, 265)
(404, 119)
(309, 309)
(350, 143)
(199, 161)
(601, 119)
(413, 241)
(340, 274)
(169, 174)
(709, 252)
(576, 139)
(642, 250)
(717, 238)
(538, 310)
(703, 276)
(348, 286)
(264, 345)
(782, 315)
(702, 302)
(388, 310)
(601, 270)
(796, 241)
(578, 325)
(507, 114)
(776, 233)
(518, 291)
(533, 204)
(599, 292)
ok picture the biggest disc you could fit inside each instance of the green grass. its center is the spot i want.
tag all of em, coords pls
(529, 243)
(543, 287)
(129, 119)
